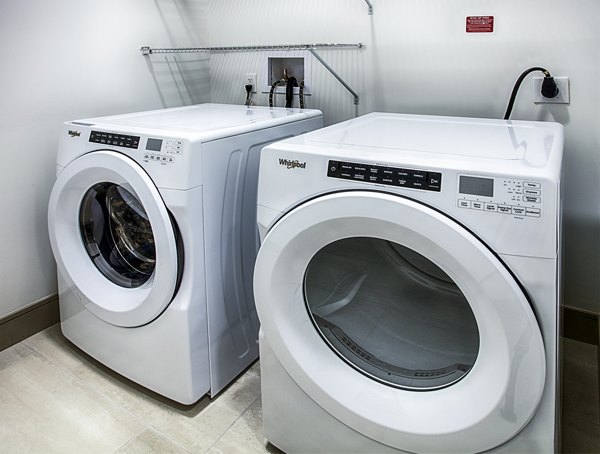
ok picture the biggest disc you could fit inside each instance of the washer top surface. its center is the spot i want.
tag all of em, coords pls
(203, 121)
(436, 138)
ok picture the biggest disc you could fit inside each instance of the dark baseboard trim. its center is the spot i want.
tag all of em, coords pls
(580, 325)
(27, 322)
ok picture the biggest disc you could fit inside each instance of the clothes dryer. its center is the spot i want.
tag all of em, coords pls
(152, 222)
(408, 286)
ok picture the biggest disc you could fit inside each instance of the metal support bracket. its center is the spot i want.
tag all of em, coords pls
(340, 80)
(370, 7)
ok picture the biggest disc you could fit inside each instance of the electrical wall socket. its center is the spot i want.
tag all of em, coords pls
(563, 96)
(251, 79)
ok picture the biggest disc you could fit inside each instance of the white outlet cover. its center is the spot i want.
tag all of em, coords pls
(251, 79)
(563, 96)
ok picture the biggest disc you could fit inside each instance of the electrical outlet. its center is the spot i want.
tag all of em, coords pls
(251, 79)
(563, 96)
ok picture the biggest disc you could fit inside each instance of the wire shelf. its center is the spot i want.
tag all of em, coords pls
(147, 50)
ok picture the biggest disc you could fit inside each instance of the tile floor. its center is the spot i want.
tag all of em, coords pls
(580, 398)
(56, 399)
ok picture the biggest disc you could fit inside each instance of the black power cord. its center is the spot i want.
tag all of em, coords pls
(248, 94)
(549, 87)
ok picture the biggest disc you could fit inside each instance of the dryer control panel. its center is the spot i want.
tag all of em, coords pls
(509, 196)
(393, 176)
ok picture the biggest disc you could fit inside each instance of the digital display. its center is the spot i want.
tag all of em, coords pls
(476, 186)
(154, 144)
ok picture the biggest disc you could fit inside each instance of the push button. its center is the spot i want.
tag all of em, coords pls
(531, 185)
(464, 204)
(491, 207)
(505, 209)
(434, 178)
(477, 205)
(333, 168)
(533, 212)
(534, 192)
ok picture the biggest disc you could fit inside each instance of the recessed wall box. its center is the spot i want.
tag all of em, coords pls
(296, 63)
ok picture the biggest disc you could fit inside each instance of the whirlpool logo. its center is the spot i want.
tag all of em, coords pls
(295, 164)
(74, 133)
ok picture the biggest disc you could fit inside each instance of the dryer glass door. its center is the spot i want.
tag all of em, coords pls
(391, 313)
(400, 323)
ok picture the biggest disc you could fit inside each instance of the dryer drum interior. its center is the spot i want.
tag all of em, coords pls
(391, 313)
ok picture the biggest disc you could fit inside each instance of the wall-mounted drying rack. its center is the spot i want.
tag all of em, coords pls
(312, 48)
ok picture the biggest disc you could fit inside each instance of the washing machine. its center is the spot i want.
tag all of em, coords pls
(152, 222)
(408, 286)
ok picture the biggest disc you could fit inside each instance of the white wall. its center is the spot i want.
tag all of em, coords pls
(418, 59)
(70, 59)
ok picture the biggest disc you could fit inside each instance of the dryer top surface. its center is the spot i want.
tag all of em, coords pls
(491, 142)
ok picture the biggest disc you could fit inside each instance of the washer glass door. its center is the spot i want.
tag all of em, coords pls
(391, 313)
(114, 241)
(117, 234)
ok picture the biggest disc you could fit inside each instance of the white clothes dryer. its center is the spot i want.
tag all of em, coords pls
(407, 286)
(152, 222)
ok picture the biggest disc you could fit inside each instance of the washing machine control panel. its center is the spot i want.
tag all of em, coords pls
(393, 176)
(510, 196)
(163, 150)
(155, 149)
(111, 138)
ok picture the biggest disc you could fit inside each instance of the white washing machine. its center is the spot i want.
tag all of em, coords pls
(407, 286)
(152, 221)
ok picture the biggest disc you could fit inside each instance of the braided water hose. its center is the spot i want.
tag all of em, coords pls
(272, 91)
(301, 94)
